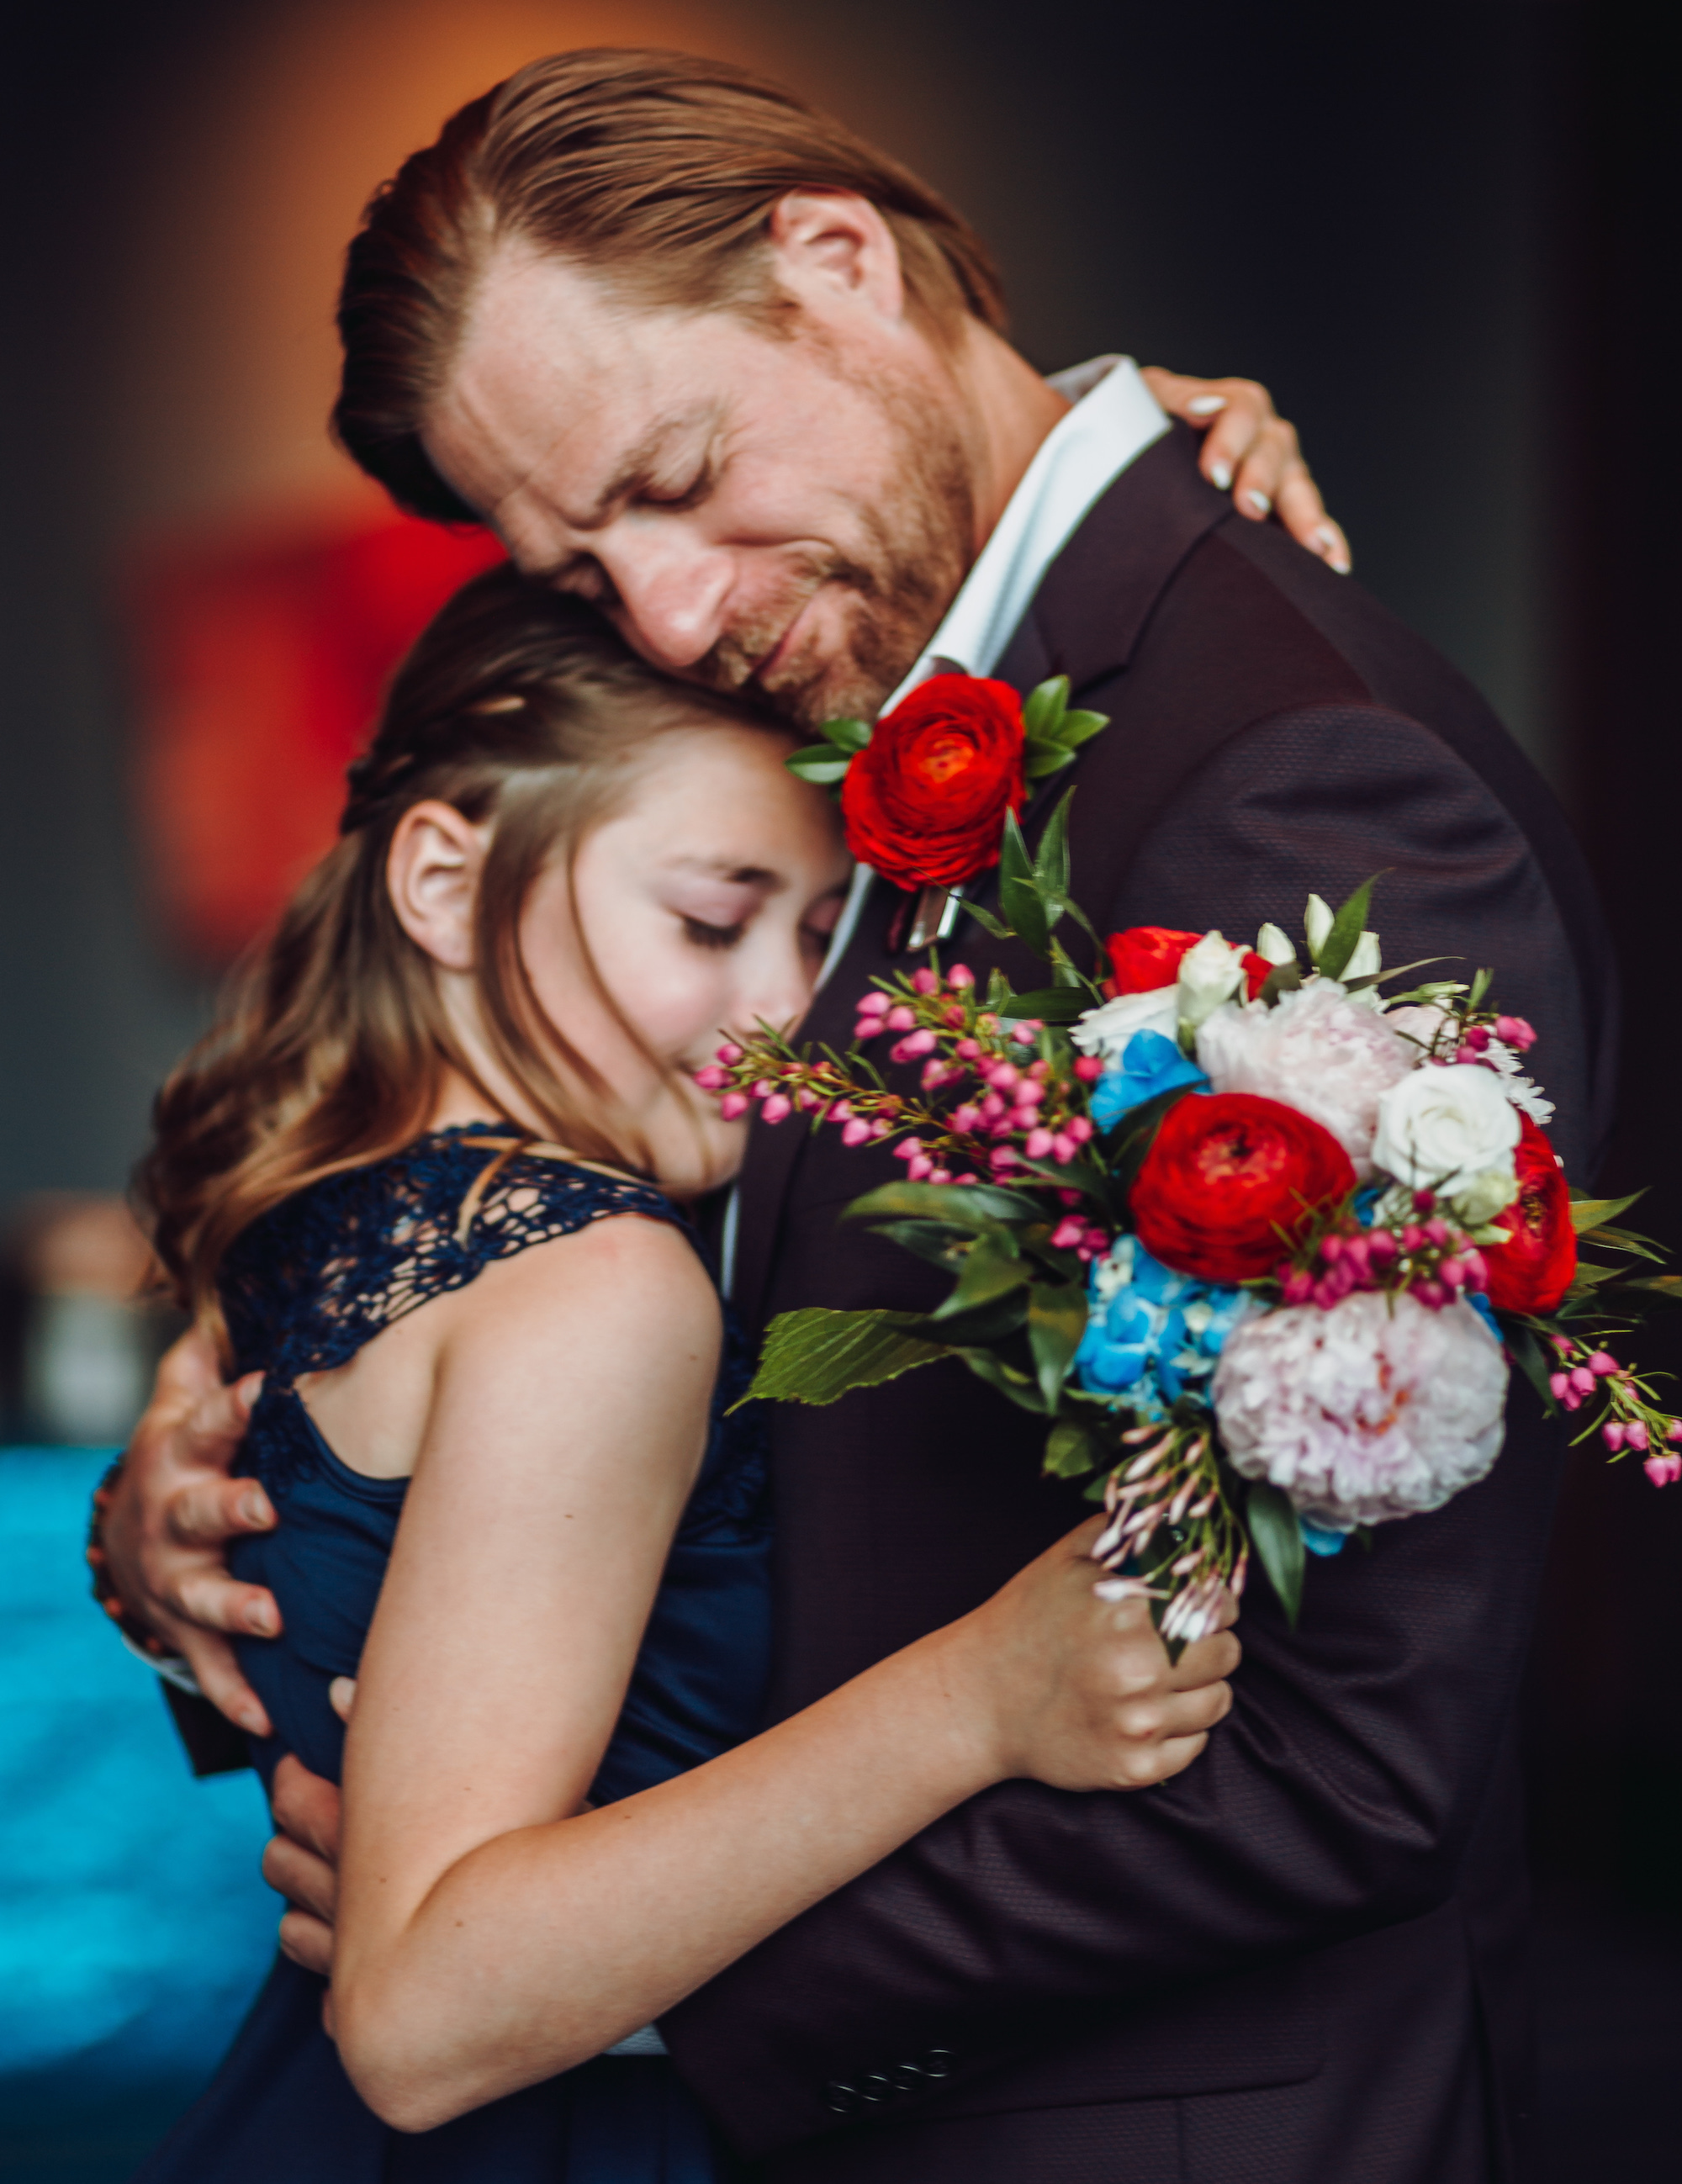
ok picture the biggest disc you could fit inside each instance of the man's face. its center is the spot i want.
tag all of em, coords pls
(788, 517)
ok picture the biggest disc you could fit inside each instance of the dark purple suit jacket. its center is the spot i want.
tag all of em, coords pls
(1301, 1961)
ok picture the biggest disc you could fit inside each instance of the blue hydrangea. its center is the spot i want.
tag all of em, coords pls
(1147, 1065)
(1152, 1335)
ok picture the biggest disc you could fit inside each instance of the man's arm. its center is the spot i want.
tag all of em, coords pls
(1344, 1788)
(167, 1521)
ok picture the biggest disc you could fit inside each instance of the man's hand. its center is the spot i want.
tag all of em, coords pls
(301, 1862)
(171, 1515)
(1251, 452)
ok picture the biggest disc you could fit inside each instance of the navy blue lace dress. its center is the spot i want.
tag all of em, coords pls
(303, 1289)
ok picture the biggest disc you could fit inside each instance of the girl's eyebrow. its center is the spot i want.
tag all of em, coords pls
(726, 868)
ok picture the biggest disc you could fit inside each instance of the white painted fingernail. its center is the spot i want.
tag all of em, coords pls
(1206, 405)
(1259, 501)
(1331, 548)
(1220, 477)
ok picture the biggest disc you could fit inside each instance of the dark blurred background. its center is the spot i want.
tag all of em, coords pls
(1441, 235)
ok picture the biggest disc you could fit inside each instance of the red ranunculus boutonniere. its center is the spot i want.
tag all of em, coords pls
(924, 793)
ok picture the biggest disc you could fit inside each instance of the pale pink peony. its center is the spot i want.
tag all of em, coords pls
(1378, 1408)
(1318, 1052)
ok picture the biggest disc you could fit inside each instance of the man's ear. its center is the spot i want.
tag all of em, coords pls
(432, 877)
(832, 246)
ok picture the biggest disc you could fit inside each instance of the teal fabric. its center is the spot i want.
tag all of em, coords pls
(135, 1928)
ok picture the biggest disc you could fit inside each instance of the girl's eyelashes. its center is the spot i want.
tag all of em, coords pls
(704, 935)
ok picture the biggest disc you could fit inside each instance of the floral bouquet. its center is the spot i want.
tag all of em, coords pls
(1259, 1241)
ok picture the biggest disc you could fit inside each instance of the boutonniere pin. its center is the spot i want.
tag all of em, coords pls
(924, 793)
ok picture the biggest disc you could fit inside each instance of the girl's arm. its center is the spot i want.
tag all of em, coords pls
(485, 1943)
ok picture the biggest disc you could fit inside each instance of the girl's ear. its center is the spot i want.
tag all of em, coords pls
(432, 877)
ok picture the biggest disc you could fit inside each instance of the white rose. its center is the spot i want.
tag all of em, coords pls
(1105, 1030)
(1440, 1126)
(1274, 946)
(1210, 973)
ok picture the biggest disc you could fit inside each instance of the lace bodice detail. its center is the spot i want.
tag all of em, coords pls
(323, 1272)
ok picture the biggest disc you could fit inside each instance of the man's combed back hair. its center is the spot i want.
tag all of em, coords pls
(657, 171)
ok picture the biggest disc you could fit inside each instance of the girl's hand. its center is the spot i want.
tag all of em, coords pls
(1081, 1692)
(1251, 452)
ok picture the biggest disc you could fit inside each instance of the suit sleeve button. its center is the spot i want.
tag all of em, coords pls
(844, 2099)
(877, 2086)
(906, 2077)
(938, 2063)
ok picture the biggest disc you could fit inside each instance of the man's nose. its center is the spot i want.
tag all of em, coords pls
(672, 593)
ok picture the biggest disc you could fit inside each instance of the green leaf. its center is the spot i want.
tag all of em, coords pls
(1052, 1005)
(848, 736)
(1664, 1285)
(818, 762)
(1051, 861)
(1277, 1537)
(1056, 1320)
(986, 919)
(1042, 759)
(1480, 986)
(1282, 978)
(1347, 927)
(814, 1356)
(1072, 1449)
(1525, 1349)
(1045, 706)
(1589, 1277)
(934, 1240)
(986, 1365)
(1077, 727)
(1018, 892)
(1594, 1213)
(989, 1272)
(973, 1207)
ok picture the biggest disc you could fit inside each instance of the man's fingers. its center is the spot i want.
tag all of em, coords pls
(207, 1512)
(306, 1807)
(307, 1942)
(304, 1880)
(213, 1601)
(212, 1662)
(1177, 1753)
(216, 1426)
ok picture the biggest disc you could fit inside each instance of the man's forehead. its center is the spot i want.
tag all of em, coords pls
(553, 372)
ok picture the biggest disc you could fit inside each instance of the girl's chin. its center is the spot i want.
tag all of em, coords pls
(710, 1158)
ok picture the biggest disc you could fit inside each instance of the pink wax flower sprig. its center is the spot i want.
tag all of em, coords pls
(1629, 1419)
(1430, 1258)
(1007, 1100)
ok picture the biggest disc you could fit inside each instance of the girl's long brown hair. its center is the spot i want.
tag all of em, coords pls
(519, 708)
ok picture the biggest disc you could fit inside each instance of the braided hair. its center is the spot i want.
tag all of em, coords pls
(522, 709)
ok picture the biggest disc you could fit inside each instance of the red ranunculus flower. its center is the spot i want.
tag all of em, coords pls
(925, 801)
(1147, 956)
(1533, 1270)
(1229, 1172)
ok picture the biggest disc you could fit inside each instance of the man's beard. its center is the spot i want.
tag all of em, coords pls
(915, 554)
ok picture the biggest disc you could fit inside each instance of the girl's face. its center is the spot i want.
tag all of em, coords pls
(706, 901)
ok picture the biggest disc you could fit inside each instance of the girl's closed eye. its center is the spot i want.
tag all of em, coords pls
(703, 935)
